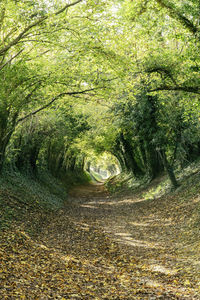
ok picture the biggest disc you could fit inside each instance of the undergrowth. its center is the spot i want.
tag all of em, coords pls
(126, 182)
(27, 198)
(187, 194)
(31, 199)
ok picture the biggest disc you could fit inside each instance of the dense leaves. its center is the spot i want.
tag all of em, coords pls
(98, 87)
(109, 62)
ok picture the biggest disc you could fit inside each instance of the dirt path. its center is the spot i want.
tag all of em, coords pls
(102, 247)
(137, 239)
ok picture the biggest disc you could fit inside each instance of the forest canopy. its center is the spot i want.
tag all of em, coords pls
(79, 79)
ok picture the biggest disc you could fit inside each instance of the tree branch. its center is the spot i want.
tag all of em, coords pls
(2, 16)
(52, 101)
(39, 55)
(7, 62)
(175, 14)
(162, 70)
(188, 89)
(21, 35)
(34, 24)
(67, 6)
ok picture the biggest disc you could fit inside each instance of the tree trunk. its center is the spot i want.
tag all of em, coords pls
(119, 155)
(3, 145)
(169, 170)
(33, 158)
(153, 162)
(7, 128)
(129, 158)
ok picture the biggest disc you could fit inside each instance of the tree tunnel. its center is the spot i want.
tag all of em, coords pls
(102, 167)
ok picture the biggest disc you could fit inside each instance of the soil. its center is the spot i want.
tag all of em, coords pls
(109, 247)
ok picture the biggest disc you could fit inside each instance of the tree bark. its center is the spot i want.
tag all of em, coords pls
(169, 170)
(129, 158)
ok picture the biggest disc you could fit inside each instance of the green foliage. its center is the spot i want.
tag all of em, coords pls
(85, 78)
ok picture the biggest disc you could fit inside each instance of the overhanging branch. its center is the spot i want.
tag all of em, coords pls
(52, 101)
(67, 6)
(32, 25)
(11, 59)
(188, 89)
(162, 70)
(174, 13)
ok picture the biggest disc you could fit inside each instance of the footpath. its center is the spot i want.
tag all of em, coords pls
(103, 247)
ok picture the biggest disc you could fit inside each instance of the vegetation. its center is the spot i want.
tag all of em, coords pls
(96, 88)
(69, 85)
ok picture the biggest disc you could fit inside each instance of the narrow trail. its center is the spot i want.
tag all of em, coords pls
(103, 247)
(133, 241)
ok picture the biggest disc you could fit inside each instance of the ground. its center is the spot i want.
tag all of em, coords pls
(106, 247)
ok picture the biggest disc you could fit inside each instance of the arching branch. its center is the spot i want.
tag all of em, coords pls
(162, 70)
(52, 101)
(176, 14)
(188, 89)
(39, 21)
(11, 59)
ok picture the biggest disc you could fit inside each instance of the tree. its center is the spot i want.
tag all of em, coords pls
(29, 65)
(128, 67)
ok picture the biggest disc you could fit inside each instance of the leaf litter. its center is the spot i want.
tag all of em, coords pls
(102, 247)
